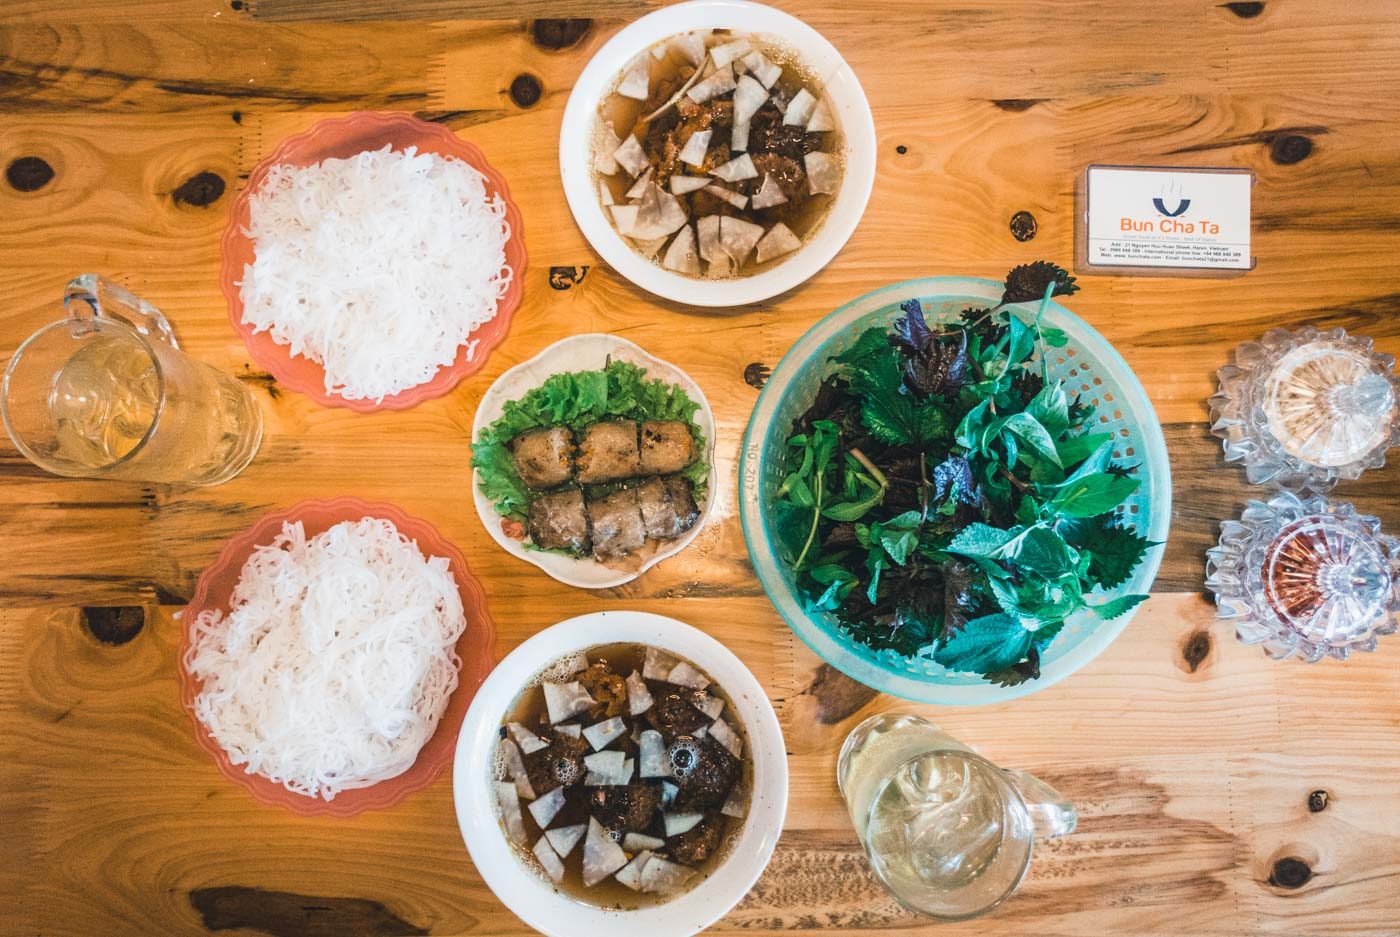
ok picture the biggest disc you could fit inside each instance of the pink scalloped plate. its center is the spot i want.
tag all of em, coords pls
(216, 585)
(342, 137)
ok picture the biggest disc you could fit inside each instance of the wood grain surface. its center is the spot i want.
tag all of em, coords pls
(1220, 794)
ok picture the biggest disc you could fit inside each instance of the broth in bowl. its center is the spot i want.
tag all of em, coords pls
(622, 776)
(717, 153)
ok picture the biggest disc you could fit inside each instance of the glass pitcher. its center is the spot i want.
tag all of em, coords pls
(946, 831)
(106, 392)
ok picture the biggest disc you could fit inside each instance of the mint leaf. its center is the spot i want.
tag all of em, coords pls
(1119, 606)
(1051, 408)
(992, 642)
(1033, 434)
(973, 425)
(980, 540)
(1044, 552)
(1077, 448)
(898, 544)
(1093, 494)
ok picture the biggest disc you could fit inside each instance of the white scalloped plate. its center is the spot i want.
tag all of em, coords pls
(583, 353)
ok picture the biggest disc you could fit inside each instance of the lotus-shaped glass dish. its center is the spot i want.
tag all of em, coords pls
(1309, 578)
(1305, 409)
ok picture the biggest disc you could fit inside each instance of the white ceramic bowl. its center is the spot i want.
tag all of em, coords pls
(586, 352)
(527, 893)
(848, 102)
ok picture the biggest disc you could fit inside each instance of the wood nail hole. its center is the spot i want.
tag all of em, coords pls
(28, 173)
(901, 149)
(114, 625)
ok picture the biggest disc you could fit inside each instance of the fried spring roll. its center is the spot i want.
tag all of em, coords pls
(667, 447)
(608, 452)
(544, 458)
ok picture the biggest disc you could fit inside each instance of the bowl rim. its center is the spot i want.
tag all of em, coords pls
(559, 567)
(475, 648)
(534, 900)
(291, 371)
(840, 82)
(833, 649)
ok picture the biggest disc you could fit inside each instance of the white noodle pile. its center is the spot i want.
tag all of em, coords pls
(336, 661)
(378, 266)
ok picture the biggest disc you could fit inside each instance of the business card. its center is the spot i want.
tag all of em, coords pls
(1167, 219)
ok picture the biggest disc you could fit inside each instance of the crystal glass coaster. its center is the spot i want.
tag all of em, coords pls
(1304, 409)
(1306, 577)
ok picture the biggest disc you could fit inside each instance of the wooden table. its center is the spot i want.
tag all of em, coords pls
(1220, 793)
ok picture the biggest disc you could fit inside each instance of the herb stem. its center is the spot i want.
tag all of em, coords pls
(1020, 485)
(870, 467)
(1040, 336)
(818, 489)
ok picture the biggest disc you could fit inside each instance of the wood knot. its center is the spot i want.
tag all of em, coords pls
(837, 696)
(559, 34)
(115, 624)
(1245, 10)
(1290, 872)
(525, 90)
(757, 374)
(1317, 801)
(1289, 149)
(1016, 105)
(28, 173)
(236, 5)
(1195, 650)
(1023, 226)
(288, 914)
(200, 190)
(565, 278)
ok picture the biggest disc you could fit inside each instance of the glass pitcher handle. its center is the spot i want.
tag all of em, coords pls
(91, 295)
(1051, 813)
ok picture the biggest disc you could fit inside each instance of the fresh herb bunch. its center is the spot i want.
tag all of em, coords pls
(577, 399)
(945, 498)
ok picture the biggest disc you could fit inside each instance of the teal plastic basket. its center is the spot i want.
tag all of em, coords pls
(1090, 367)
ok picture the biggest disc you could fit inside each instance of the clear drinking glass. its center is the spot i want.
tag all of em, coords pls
(106, 393)
(948, 833)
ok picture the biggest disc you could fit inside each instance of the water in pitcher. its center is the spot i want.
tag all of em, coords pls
(106, 397)
(938, 822)
(942, 827)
